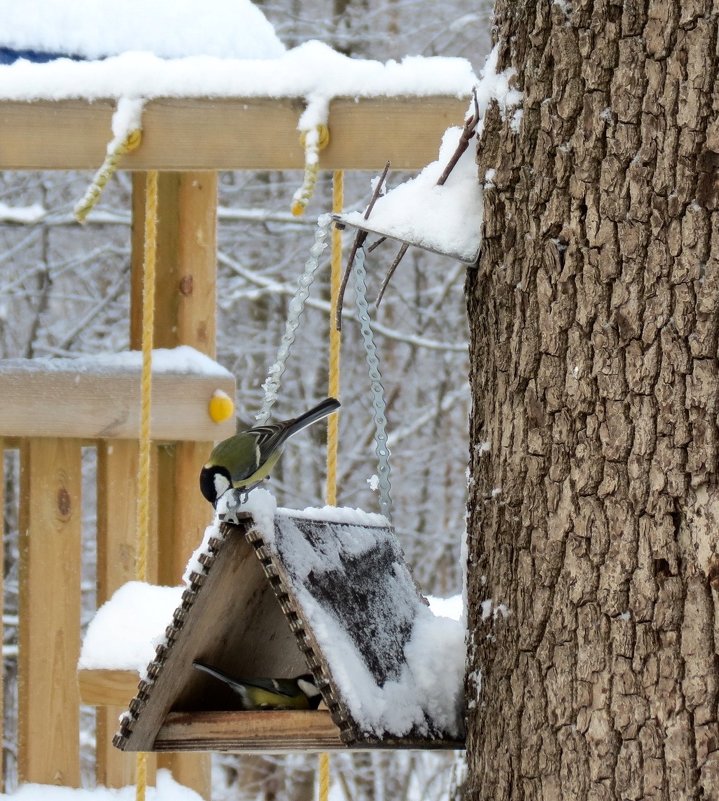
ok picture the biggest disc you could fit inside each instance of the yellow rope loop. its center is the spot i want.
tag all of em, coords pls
(324, 777)
(106, 171)
(143, 479)
(312, 141)
(334, 358)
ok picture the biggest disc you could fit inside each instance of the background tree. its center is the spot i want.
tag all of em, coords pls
(594, 328)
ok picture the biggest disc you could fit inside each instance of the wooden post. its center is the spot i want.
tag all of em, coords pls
(184, 315)
(116, 550)
(50, 554)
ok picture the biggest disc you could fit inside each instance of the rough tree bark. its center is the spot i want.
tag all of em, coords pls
(594, 500)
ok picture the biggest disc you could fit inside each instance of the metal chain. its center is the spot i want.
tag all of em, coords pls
(294, 312)
(378, 402)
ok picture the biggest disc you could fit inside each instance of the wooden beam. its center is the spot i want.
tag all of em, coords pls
(107, 687)
(228, 134)
(105, 404)
(50, 557)
(249, 731)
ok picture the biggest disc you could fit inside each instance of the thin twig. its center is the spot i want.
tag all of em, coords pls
(467, 133)
(376, 244)
(357, 244)
(397, 259)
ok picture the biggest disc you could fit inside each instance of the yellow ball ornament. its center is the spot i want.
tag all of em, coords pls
(221, 406)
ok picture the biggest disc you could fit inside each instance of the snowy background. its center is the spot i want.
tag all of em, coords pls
(65, 291)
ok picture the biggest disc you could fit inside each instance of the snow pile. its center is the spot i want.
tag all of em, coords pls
(183, 360)
(452, 607)
(312, 70)
(445, 219)
(167, 789)
(99, 28)
(126, 629)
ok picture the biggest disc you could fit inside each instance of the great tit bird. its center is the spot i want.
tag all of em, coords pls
(243, 461)
(298, 693)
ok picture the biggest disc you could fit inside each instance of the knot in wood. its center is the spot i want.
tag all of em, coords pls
(64, 503)
(186, 285)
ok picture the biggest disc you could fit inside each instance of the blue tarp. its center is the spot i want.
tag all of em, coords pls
(8, 56)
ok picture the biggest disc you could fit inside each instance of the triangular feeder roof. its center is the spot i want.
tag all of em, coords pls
(276, 599)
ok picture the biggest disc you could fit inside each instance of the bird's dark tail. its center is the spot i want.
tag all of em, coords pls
(323, 409)
(218, 674)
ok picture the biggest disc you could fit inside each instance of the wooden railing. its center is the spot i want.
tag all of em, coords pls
(50, 423)
(38, 405)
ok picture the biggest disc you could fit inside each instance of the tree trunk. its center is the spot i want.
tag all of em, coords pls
(594, 501)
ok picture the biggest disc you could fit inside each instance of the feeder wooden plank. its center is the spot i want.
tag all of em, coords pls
(263, 731)
(105, 404)
(231, 134)
(50, 559)
(107, 687)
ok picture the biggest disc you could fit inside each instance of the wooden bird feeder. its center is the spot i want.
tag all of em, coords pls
(247, 611)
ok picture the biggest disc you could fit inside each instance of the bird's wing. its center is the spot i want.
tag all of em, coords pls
(285, 687)
(268, 438)
(241, 454)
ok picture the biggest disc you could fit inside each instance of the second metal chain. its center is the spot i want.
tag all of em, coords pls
(378, 402)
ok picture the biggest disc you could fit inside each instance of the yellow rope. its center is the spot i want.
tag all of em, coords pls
(106, 171)
(334, 361)
(324, 776)
(313, 141)
(143, 495)
(140, 776)
(334, 391)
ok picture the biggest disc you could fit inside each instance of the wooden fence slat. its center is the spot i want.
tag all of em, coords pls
(49, 642)
(117, 465)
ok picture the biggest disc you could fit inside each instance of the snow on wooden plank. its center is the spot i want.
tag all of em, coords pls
(227, 134)
(367, 624)
(98, 397)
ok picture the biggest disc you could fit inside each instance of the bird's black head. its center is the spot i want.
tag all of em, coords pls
(215, 480)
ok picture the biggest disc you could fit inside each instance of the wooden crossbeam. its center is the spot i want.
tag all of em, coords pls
(100, 687)
(105, 403)
(228, 134)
